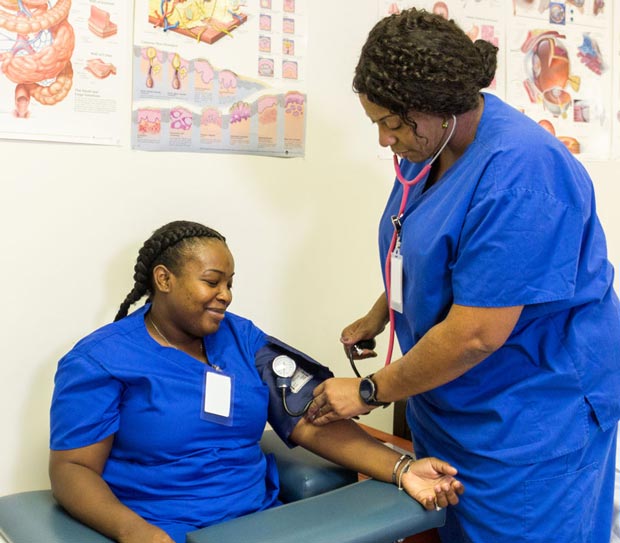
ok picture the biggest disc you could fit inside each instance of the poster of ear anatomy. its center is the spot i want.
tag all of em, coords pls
(554, 62)
(60, 78)
(220, 75)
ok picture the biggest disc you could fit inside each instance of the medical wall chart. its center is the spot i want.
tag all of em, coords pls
(559, 70)
(220, 75)
(615, 133)
(554, 61)
(60, 78)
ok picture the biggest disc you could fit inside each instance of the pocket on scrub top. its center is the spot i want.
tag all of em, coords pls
(561, 508)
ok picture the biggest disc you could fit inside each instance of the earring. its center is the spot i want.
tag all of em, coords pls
(444, 125)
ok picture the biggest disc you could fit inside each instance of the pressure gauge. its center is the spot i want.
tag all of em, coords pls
(284, 366)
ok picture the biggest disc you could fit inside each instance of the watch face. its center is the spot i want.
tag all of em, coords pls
(284, 366)
(367, 389)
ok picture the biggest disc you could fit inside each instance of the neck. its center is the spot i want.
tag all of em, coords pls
(168, 337)
(464, 135)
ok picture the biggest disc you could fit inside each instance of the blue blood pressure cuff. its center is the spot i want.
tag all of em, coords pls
(308, 374)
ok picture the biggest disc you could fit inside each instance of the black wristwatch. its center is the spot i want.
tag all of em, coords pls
(368, 392)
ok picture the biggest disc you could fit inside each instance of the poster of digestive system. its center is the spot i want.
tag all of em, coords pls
(220, 75)
(559, 58)
(554, 61)
(59, 79)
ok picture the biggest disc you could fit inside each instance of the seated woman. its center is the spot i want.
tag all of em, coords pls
(156, 418)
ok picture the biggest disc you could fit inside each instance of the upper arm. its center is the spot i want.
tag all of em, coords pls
(93, 457)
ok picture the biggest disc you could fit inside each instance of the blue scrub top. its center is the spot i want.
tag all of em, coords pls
(170, 465)
(512, 222)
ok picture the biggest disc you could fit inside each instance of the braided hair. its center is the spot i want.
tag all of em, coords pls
(419, 61)
(166, 246)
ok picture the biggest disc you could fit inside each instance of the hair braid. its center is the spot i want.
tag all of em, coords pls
(165, 246)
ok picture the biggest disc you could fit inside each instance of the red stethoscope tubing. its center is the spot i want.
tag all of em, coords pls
(388, 259)
(403, 202)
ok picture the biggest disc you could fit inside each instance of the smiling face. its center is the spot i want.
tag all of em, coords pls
(190, 302)
(416, 144)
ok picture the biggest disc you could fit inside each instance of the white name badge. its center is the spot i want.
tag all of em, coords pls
(396, 281)
(217, 397)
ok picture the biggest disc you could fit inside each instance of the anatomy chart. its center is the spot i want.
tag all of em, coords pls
(615, 142)
(220, 75)
(554, 61)
(59, 77)
(559, 58)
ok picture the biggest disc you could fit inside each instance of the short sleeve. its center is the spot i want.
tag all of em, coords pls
(309, 372)
(84, 404)
(518, 247)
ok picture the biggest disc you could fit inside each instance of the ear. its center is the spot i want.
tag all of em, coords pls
(161, 278)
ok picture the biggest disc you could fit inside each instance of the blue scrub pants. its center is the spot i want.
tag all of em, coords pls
(565, 500)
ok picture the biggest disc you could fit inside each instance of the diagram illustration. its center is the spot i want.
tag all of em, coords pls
(203, 20)
(36, 44)
(547, 65)
(556, 9)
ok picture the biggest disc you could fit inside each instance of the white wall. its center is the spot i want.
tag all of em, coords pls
(303, 232)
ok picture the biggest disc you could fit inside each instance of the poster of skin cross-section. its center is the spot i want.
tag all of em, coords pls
(220, 75)
(62, 75)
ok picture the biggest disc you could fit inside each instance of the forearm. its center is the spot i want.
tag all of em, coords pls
(379, 312)
(345, 443)
(434, 361)
(430, 481)
(448, 350)
(88, 498)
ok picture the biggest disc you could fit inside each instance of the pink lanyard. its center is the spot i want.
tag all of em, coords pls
(396, 221)
(388, 259)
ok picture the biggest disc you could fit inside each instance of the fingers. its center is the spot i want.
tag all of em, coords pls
(442, 495)
(442, 467)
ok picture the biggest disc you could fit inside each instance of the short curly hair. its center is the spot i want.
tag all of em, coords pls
(419, 61)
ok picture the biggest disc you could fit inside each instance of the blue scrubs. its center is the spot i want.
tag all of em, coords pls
(513, 222)
(170, 465)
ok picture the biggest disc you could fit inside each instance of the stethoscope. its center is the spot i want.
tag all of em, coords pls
(395, 244)
(284, 366)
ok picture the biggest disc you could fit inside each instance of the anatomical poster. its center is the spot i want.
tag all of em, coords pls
(560, 70)
(615, 142)
(61, 73)
(220, 76)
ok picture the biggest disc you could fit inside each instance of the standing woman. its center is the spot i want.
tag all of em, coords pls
(502, 297)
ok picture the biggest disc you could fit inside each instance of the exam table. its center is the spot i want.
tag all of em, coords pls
(323, 503)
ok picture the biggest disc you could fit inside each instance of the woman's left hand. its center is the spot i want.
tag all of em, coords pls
(335, 399)
(431, 482)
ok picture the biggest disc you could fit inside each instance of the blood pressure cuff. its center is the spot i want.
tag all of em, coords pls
(308, 375)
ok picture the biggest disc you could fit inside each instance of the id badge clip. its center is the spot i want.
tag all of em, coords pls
(217, 397)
